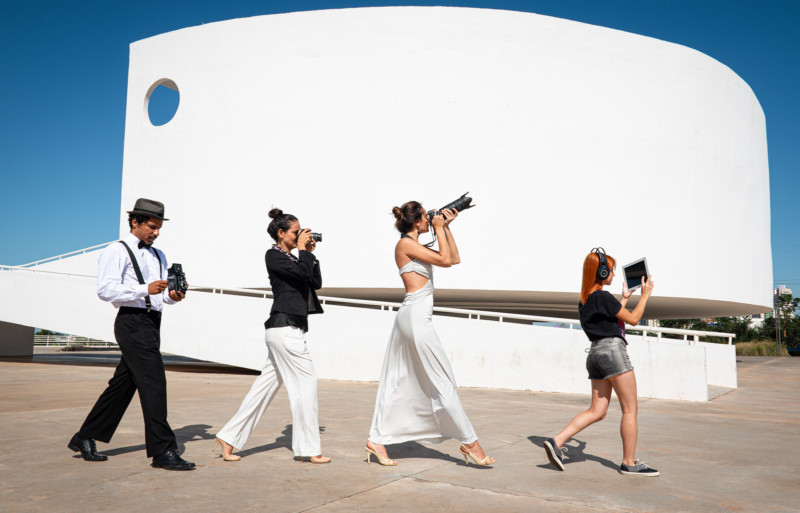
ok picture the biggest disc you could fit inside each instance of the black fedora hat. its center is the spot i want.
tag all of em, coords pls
(149, 208)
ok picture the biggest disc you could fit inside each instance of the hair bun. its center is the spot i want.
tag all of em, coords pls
(397, 212)
(275, 212)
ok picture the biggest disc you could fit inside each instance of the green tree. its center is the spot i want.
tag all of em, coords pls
(680, 324)
(786, 311)
(740, 326)
(786, 306)
(791, 332)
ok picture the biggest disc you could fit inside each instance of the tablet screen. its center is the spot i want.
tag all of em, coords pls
(634, 272)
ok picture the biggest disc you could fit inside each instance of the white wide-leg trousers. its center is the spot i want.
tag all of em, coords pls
(289, 363)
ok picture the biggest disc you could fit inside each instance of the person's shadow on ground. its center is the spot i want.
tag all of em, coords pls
(182, 435)
(284, 441)
(575, 453)
(419, 450)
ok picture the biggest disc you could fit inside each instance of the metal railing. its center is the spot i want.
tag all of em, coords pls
(70, 340)
(43, 271)
(485, 315)
(71, 253)
(391, 306)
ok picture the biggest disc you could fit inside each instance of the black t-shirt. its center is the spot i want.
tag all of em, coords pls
(599, 316)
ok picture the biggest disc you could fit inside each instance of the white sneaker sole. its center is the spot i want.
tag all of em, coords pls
(551, 455)
(642, 474)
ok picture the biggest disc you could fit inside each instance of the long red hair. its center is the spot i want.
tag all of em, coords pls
(590, 282)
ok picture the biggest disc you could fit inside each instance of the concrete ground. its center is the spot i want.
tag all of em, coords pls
(738, 452)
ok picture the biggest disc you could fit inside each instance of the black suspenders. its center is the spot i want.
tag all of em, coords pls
(139, 271)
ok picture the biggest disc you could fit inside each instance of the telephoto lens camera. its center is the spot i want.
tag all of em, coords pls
(461, 204)
(176, 279)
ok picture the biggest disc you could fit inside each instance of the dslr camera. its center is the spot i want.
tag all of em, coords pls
(461, 204)
(314, 235)
(176, 279)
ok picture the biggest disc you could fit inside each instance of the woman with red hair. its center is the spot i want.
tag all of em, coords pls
(603, 319)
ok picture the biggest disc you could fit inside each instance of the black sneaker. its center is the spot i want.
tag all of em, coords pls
(554, 453)
(639, 468)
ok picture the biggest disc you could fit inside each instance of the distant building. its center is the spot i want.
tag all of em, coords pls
(758, 319)
(782, 290)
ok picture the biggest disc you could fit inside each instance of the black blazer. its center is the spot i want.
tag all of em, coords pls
(294, 284)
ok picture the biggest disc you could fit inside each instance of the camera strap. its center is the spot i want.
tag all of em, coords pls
(281, 250)
(138, 271)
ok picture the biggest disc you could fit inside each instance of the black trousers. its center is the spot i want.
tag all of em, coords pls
(140, 368)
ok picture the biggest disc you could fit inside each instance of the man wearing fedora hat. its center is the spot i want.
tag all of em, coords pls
(131, 276)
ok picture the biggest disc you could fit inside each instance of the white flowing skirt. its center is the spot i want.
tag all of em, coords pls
(417, 394)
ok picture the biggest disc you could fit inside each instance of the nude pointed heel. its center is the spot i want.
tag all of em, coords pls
(228, 456)
(383, 461)
(487, 460)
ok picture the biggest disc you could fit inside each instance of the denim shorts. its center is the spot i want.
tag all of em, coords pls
(607, 358)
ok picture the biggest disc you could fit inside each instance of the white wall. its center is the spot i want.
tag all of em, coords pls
(568, 136)
(720, 361)
(721, 364)
(61, 303)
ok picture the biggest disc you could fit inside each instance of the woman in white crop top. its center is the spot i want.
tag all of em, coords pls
(417, 394)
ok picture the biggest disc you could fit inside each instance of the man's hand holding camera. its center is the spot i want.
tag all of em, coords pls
(159, 286)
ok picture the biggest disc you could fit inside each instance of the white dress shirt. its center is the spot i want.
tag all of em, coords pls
(117, 282)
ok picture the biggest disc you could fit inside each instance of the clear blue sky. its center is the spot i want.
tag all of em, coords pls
(64, 68)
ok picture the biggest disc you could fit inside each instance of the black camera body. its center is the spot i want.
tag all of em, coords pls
(461, 204)
(176, 279)
(317, 237)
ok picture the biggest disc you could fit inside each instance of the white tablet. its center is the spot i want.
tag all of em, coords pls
(633, 273)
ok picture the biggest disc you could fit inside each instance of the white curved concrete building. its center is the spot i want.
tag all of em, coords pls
(567, 135)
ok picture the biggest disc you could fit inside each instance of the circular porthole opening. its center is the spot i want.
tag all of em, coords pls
(161, 102)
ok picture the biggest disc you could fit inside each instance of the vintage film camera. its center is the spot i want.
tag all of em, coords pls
(176, 278)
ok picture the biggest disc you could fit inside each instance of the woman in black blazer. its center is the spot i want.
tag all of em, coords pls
(294, 281)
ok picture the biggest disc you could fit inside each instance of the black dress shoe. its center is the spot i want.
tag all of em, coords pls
(86, 447)
(171, 460)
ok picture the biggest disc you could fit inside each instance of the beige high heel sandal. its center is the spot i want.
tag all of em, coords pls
(383, 461)
(487, 460)
(228, 456)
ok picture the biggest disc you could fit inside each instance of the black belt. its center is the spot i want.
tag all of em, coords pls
(129, 310)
